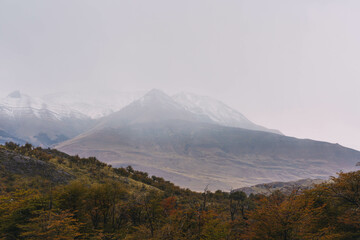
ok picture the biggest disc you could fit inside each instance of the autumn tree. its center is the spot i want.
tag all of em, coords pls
(52, 225)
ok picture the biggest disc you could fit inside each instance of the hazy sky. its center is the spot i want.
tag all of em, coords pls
(289, 65)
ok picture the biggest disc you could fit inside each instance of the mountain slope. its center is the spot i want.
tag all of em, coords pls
(217, 111)
(157, 135)
(284, 187)
(16, 166)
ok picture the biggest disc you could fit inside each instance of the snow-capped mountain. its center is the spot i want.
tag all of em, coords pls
(96, 105)
(18, 105)
(154, 106)
(160, 136)
(217, 111)
(40, 122)
(56, 117)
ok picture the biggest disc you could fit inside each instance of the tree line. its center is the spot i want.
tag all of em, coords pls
(100, 204)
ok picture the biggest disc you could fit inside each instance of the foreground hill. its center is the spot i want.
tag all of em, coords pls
(157, 135)
(48, 183)
(28, 165)
(47, 194)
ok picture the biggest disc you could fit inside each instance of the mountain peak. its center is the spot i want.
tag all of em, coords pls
(157, 98)
(154, 106)
(156, 94)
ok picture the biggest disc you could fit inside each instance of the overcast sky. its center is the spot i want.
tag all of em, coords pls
(289, 65)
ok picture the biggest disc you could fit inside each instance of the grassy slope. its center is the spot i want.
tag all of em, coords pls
(26, 167)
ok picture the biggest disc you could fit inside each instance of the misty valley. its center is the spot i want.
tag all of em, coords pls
(179, 120)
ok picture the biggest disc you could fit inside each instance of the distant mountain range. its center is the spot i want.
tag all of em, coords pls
(189, 139)
(190, 146)
(24, 118)
(57, 117)
(94, 106)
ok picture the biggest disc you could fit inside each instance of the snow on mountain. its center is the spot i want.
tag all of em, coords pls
(154, 106)
(157, 98)
(56, 117)
(75, 105)
(94, 105)
(19, 105)
(39, 122)
(217, 111)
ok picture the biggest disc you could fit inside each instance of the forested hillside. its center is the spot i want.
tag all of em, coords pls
(47, 194)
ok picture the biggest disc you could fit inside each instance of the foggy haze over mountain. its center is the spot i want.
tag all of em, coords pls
(286, 65)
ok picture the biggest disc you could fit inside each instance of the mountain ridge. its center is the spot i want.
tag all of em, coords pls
(217, 111)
